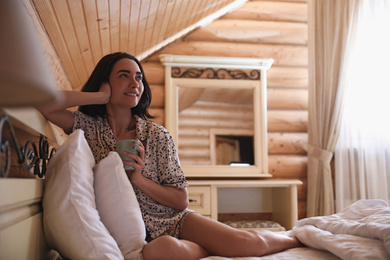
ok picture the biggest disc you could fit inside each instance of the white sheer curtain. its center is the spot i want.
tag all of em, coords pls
(330, 27)
(362, 154)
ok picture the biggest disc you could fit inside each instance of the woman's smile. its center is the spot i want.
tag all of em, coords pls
(131, 94)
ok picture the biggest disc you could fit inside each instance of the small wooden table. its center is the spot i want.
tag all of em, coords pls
(203, 195)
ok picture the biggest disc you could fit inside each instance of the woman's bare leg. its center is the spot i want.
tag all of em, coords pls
(170, 248)
(220, 239)
(276, 242)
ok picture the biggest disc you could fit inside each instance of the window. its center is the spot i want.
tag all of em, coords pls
(363, 150)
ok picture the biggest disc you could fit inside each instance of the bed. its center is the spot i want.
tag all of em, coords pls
(34, 210)
(360, 231)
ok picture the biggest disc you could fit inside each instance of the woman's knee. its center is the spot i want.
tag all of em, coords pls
(164, 247)
(171, 248)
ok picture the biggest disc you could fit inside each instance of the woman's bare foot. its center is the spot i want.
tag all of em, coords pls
(276, 241)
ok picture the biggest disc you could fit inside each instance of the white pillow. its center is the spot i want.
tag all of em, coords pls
(118, 207)
(72, 224)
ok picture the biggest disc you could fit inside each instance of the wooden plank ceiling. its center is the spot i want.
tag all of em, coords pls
(83, 31)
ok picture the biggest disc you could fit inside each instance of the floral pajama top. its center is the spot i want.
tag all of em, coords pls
(161, 165)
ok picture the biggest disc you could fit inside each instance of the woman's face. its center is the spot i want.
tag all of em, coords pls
(126, 83)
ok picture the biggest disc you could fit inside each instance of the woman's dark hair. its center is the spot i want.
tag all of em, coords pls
(101, 74)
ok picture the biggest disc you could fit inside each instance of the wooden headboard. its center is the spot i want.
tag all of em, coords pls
(21, 229)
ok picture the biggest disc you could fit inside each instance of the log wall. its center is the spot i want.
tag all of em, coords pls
(259, 29)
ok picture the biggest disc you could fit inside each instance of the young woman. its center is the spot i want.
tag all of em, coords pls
(113, 105)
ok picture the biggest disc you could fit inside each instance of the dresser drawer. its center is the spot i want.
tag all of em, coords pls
(199, 197)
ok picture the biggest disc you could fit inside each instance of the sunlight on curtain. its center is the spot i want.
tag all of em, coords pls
(362, 155)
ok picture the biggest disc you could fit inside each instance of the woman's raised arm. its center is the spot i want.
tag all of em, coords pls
(60, 116)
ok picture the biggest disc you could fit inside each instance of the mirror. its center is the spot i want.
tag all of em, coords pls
(215, 126)
(216, 113)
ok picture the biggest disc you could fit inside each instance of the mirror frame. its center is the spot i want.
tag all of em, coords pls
(259, 86)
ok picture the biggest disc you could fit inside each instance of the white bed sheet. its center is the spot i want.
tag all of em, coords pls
(360, 231)
(302, 253)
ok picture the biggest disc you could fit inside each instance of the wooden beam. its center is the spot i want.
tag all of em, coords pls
(288, 166)
(284, 55)
(287, 121)
(287, 143)
(280, 98)
(248, 31)
(292, 11)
